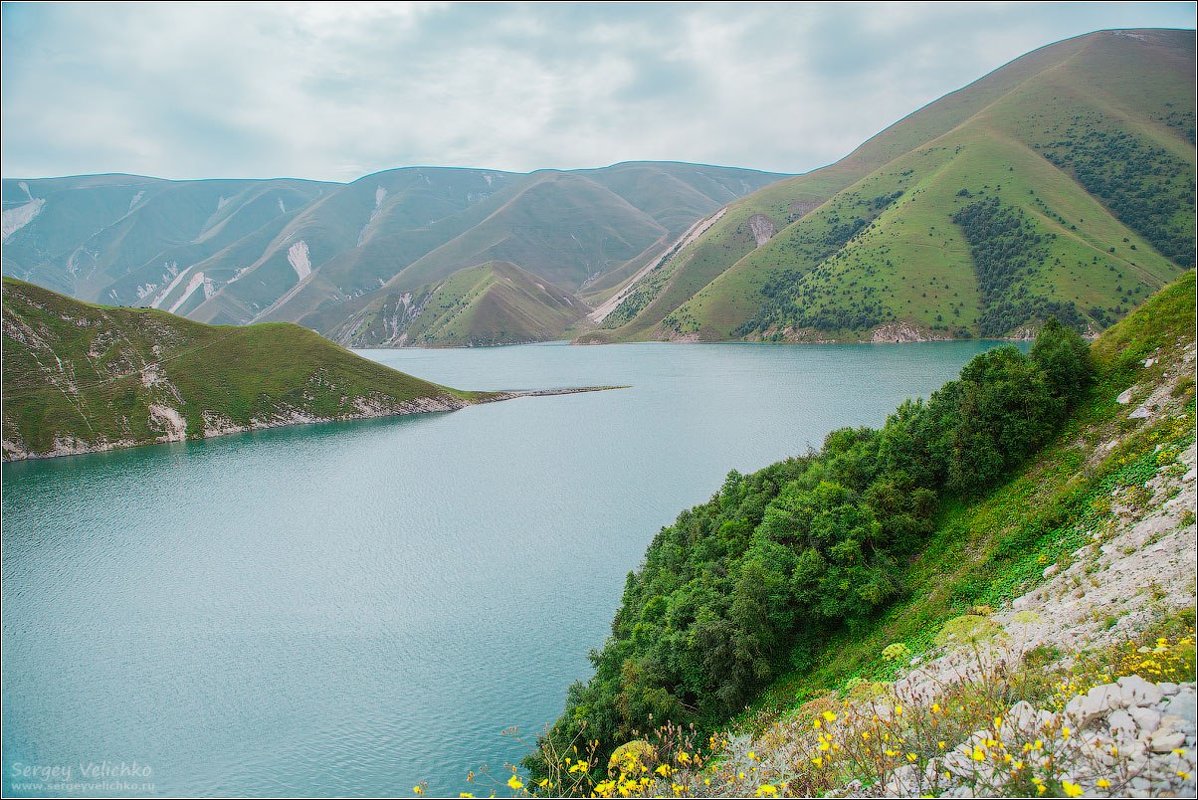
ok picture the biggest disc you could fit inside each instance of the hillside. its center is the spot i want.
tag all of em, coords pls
(1062, 184)
(493, 303)
(316, 253)
(1012, 545)
(81, 378)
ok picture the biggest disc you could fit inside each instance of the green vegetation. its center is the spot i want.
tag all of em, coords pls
(1005, 249)
(1148, 187)
(1077, 167)
(493, 303)
(800, 578)
(81, 377)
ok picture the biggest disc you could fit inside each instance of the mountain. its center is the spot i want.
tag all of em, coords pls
(225, 251)
(81, 377)
(493, 303)
(1060, 184)
(128, 239)
(1027, 534)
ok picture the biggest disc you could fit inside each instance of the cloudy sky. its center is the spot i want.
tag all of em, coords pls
(335, 91)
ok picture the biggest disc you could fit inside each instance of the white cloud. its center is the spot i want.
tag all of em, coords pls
(335, 90)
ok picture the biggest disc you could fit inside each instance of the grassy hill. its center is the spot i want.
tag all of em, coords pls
(820, 579)
(1062, 183)
(81, 377)
(490, 304)
(232, 252)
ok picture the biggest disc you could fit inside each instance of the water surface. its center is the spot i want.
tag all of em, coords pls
(352, 608)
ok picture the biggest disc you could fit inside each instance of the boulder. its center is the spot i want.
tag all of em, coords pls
(1093, 704)
(1139, 692)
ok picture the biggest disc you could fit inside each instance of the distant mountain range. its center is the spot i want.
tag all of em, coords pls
(1060, 184)
(240, 251)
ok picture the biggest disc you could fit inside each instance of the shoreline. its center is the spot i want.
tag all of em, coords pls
(420, 405)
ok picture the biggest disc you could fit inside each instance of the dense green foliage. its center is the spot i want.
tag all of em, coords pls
(756, 581)
(1006, 249)
(1149, 188)
(991, 549)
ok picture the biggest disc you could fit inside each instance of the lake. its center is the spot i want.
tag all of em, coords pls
(352, 608)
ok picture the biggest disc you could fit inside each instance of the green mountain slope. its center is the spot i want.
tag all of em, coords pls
(561, 226)
(493, 303)
(793, 581)
(282, 250)
(80, 377)
(1086, 146)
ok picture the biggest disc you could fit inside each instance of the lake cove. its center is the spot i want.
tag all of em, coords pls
(353, 608)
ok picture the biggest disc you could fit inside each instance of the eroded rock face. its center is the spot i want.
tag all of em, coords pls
(903, 332)
(801, 208)
(763, 228)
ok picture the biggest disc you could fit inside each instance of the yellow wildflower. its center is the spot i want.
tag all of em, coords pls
(767, 790)
(942, 744)
(515, 783)
(828, 716)
(1071, 789)
(912, 757)
(935, 708)
(417, 790)
(751, 755)
(979, 754)
(1103, 783)
(684, 757)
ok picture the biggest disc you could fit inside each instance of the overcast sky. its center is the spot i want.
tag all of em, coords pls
(340, 90)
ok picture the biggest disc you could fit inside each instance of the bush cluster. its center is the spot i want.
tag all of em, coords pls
(756, 581)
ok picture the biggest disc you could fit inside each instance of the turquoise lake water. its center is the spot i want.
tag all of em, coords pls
(352, 608)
